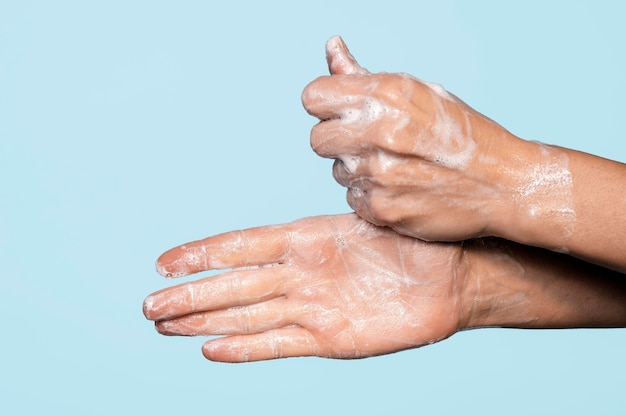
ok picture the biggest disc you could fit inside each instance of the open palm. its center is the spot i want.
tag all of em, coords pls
(330, 286)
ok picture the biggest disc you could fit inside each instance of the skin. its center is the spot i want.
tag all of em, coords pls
(340, 287)
(419, 160)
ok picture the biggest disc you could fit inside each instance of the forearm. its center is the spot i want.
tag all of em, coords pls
(599, 188)
(512, 285)
(562, 200)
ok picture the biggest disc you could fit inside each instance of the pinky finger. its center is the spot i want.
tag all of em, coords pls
(293, 341)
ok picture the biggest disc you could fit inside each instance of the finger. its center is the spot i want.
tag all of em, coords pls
(383, 169)
(341, 173)
(240, 320)
(254, 246)
(279, 343)
(373, 205)
(384, 207)
(236, 288)
(357, 200)
(336, 138)
(353, 177)
(335, 96)
(340, 60)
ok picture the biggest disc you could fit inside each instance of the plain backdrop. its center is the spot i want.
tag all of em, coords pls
(129, 127)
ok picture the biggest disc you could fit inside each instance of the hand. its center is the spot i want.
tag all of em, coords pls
(417, 159)
(333, 286)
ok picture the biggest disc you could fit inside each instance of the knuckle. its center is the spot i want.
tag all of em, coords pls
(315, 138)
(382, 209)
(320, 139)
(354, 196)
(378, 170)
(392, 86)
(327, 138)
(241, 317)
(376, 205)
(311, 93)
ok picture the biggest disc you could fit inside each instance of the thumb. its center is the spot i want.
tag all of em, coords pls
(340, 60)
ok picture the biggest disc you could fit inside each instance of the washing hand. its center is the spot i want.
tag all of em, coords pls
(340, 287)
(417, 159)
(333, 286)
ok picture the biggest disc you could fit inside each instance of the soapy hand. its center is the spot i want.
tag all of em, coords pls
(330, 286)
(416, 158)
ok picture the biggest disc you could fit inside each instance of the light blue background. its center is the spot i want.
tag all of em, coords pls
(128, 127)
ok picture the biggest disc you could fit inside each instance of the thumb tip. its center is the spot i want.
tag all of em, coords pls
(334, 46)
(334, 42)
(339, 58)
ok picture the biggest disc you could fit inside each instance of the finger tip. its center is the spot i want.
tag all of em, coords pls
(311, 94)
(148, 307)
(166, 265)
(164, 328)
(208, 350)
(305, 97)
(220, 350)
(340, 59)
(334, 41)
(334, 46)
(163, 270)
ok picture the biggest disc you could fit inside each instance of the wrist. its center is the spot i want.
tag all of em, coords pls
(496, 293)
(535, 199)
(516, 286)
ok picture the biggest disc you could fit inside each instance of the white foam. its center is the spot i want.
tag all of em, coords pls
(546, 178)
(454, 148)
(350, 163)
(546, 190)
(439, 90)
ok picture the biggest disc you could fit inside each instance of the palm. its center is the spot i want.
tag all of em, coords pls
(367, 290)
(332, 286)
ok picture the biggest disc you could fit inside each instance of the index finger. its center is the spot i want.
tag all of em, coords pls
(252, 247)
(332, 96)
